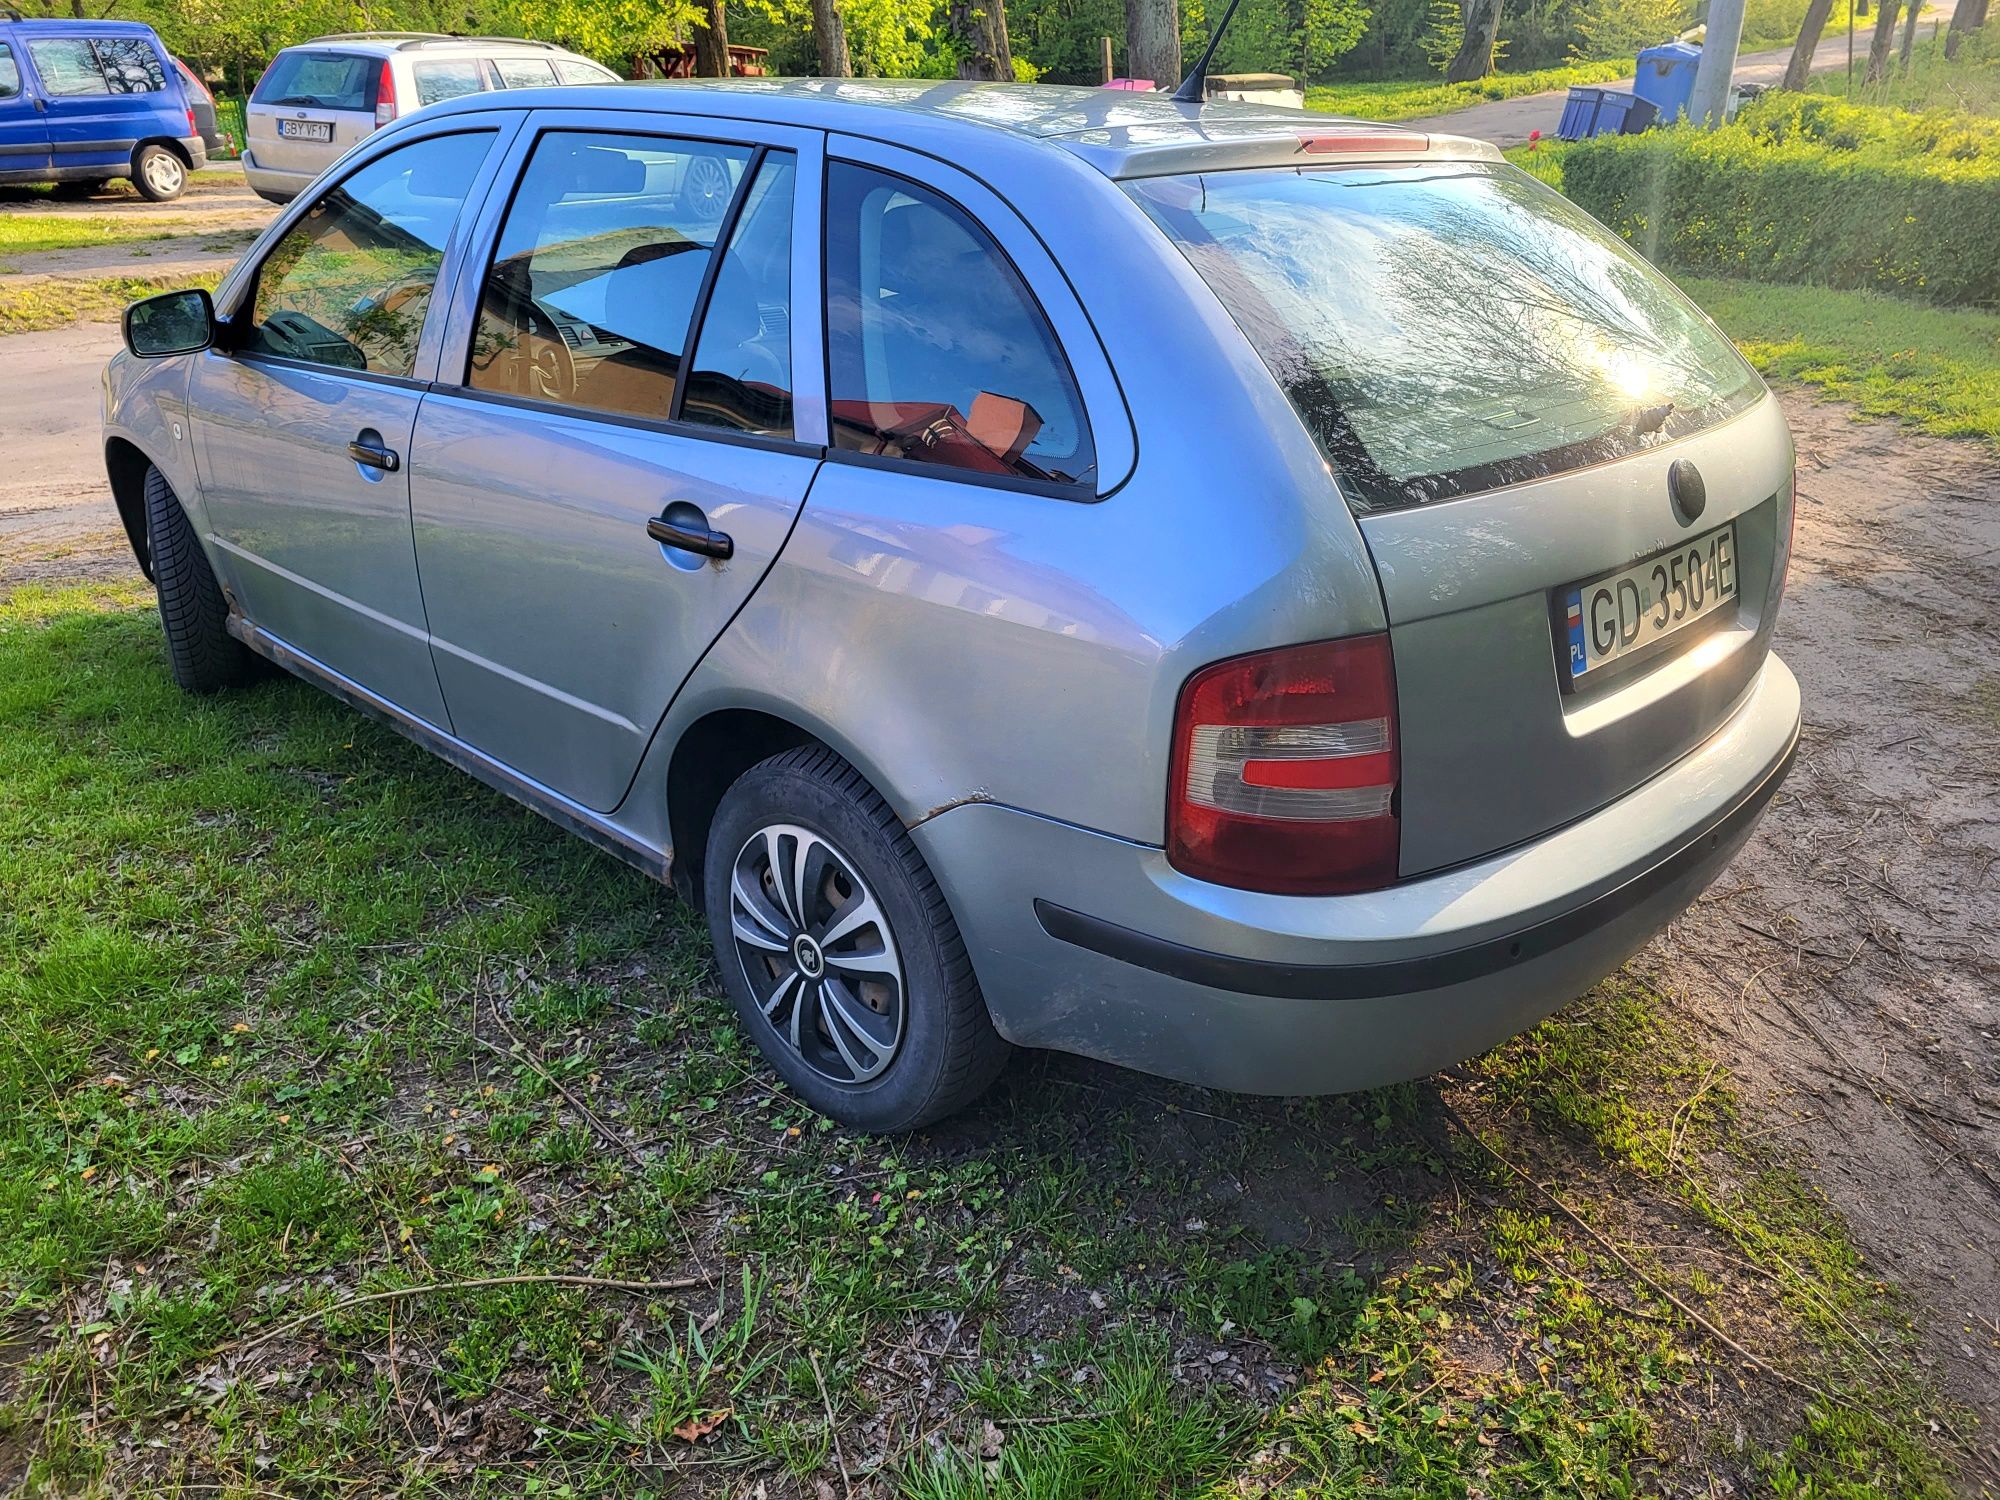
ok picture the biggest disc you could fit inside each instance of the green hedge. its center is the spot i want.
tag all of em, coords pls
(1734, 203)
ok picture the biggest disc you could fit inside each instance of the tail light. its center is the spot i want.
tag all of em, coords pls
(192, 131)
(1285, 768)
(385, 95)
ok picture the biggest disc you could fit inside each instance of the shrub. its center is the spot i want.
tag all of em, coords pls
(1785, 206)
(1831, 122)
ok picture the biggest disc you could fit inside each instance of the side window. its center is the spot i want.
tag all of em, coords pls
(594, 280)
(349, 284)
(523, 72)
(131, 66)
(438, 81)
(68, 66)
(936, 351)
(10, 73)
(571, 71)
(741, 377)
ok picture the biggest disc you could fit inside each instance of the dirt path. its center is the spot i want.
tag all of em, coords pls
(1848, 964)
(1507, 122)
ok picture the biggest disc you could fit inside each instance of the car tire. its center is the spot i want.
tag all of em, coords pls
(280, 199)
(204, 656)
(892, 1031)
(158, 173)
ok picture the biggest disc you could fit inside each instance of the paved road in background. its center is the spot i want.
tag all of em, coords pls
(1506, 122)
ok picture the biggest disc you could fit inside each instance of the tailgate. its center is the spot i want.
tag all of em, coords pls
(281, 137)
(1499, 744)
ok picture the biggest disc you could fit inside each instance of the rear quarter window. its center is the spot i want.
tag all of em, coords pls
(130, 65)
(438, 81)
(1449, 327)
(320, 80)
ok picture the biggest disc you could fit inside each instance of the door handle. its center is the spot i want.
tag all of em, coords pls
(384, 459)
(708, 543)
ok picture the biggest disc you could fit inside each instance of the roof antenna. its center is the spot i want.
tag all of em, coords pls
(1194, 87)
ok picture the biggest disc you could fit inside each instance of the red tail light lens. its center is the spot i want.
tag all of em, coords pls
(1285, 769)
(385, 96)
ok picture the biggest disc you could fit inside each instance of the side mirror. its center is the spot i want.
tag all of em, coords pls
(171, 323)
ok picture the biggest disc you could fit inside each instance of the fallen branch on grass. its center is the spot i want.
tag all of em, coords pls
(432, 1288)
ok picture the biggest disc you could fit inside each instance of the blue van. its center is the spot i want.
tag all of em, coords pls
(82, 102)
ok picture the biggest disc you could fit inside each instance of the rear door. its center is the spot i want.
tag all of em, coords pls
(102, 96)
(311, 106)
(1504, 392)
(625, 425)
(24, 134)
(302, 426)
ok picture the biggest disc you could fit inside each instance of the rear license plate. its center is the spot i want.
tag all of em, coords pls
(306, 130)
(1615, 618)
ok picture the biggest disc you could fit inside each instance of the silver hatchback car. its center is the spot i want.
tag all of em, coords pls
(1278, 602)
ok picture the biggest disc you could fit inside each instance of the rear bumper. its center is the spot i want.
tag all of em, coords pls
(278, 184)
(197, 151)
(1090, 944)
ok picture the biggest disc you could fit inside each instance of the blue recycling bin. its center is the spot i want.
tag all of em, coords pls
(1588, 112)
(1666, 77)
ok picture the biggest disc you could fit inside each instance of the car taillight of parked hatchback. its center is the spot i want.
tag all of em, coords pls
(1284, 770)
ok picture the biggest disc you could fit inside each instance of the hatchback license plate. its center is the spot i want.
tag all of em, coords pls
(306, 130)
(1622, 614)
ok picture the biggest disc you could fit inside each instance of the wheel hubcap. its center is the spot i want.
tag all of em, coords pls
(709, 185)
(163, 172)
(817, 953)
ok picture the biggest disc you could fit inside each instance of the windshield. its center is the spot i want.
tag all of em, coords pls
(1450, 327)
(324, 80)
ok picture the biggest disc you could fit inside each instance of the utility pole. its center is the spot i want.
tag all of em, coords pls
(1717, 70)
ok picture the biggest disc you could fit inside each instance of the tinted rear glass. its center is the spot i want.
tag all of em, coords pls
(323, 80)
(1448, 328)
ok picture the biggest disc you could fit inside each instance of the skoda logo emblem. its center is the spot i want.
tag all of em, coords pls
(806, 954)
(1686, 489)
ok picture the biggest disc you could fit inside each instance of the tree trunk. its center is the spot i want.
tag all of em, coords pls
(1153, 41)
(830, 40)
(711, 42)
(1883, 41)
(1799, 69)
(1969, 17)
(1909, 37)
(1474, 59)
(980, 29)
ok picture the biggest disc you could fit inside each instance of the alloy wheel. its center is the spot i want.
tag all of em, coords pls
(817, 952)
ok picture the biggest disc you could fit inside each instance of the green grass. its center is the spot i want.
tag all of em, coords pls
(1414, 99)
(1968, 83)
(57, 302)
(291, 1013)
(1936, 368)
(29, 233)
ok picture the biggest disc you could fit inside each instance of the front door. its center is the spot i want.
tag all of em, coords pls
(24, 134)
(303, 423)
(631, 442)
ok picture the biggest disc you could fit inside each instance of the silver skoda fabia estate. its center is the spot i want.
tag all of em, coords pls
(1274, 601)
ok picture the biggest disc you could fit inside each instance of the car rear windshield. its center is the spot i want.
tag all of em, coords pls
(320, 80)
(1449, 327)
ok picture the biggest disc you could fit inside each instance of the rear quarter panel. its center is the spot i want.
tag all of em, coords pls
(978, 644)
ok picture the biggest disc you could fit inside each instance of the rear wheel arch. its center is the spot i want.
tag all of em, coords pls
(126, 466)
(710, 756)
